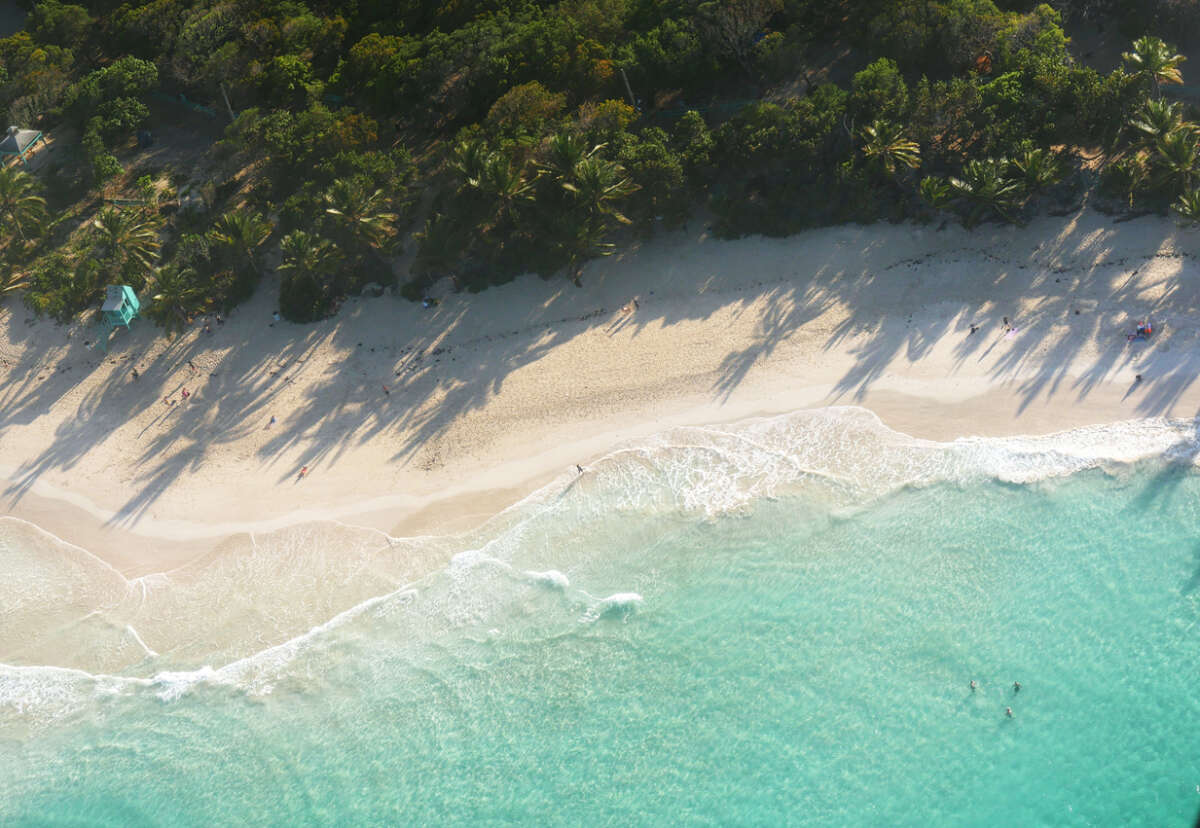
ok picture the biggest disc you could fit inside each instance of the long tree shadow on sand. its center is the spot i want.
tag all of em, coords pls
(788, 310)
(446, 363)
(1084, 293)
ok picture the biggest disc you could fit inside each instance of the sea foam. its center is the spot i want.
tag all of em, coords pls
(843, 455)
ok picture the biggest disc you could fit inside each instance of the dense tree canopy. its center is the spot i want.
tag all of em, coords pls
(492, 137)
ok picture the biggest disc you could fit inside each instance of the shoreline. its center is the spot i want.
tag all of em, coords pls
(160, 546)
(402, 437)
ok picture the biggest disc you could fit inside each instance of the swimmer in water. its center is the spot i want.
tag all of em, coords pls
(973, 685)
(1016, 687)
(1008, 712)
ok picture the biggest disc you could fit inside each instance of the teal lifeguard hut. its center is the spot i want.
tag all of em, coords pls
(120, 307)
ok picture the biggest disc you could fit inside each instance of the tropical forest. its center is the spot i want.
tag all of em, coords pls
(191, 148)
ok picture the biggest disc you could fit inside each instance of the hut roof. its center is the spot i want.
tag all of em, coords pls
(18, 140)
(114, 298)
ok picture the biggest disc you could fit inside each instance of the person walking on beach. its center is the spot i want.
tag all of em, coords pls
(192, 366)
(303, 471)
(579, 468)
(186, 393)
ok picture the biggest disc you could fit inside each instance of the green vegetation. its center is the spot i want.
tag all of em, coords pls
(479, 140)
(21, 208)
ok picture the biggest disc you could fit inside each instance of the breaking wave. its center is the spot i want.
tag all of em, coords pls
(156, 632)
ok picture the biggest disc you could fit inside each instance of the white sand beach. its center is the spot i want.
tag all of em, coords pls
(414, 420)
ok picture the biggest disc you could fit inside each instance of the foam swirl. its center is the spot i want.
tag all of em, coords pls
(836, 456)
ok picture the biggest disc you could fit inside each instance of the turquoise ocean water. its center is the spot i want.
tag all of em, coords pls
(770, 623)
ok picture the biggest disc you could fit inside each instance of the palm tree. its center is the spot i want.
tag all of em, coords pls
(1155, 120)
(885, 144)
(579, 198)
(439, 247)
(936, 192)
(237, 236)
(467, 161)
(1151, 60)
(597, 185)
(307, 253)
(1177, 159)
(1038, 169)
(12, 281)
(1188, 206)
(175, 296)
(503, 181)
(128, 239)
(20, 205)
(361, 216)
(1126, 176)
(581, 238)
(564, 152)
(985, 188)
(308, 267)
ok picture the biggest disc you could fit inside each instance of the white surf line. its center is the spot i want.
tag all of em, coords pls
(182, 530)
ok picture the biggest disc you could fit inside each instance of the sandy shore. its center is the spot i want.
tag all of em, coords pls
(415, 420)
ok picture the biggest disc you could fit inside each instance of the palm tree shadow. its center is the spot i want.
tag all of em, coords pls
(620, 323)
(785, 315)
(1180, 459)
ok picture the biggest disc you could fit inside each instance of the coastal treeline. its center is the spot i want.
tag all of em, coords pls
(371, 142)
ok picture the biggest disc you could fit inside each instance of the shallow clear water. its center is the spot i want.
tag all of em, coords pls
(613, 653)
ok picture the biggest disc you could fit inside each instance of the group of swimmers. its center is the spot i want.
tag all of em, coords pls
(1016, 689)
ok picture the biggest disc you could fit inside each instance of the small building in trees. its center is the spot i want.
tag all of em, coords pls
(17, 143)
(120, 307)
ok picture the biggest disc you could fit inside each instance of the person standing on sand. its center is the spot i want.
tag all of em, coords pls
(579, 468)
(303, 471)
